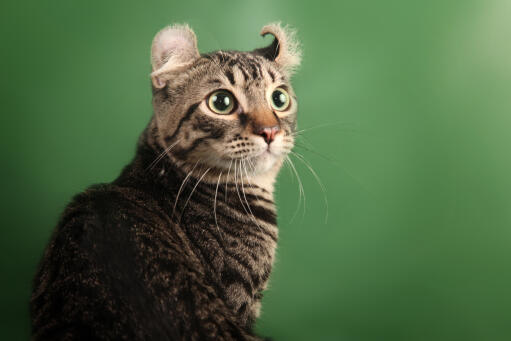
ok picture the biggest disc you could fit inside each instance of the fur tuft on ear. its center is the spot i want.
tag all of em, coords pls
(174, 48)
(284, 50)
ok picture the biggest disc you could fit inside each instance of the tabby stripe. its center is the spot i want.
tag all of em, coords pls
(205, 260)
(244, 264)
(263, 213)
(243, 119)
(231, 276)
(238, 231)
(260, 71)
(237, 235)
(272, 75)
(222, 58)
(208, 261)
(230, 76)
(233, 62)
(230, 184)
(221, 191)
(182, 153)
(242, 309)
(254, 71)
(185, 118)
(244, 238)
(205, 201)
(245, 74)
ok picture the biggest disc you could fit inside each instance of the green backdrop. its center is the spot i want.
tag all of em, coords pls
(409, 108)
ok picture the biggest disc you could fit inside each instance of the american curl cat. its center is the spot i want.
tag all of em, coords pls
(180, 246)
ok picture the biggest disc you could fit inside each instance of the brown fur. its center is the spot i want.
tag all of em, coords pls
(181, 245)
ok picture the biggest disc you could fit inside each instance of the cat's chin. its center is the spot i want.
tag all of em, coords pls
(265, 162)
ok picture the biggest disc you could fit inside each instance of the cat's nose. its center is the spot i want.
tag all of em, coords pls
(268, 133)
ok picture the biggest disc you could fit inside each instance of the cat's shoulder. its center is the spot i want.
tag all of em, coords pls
(109, 212)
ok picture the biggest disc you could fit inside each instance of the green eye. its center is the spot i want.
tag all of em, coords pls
(279, 99)
(221, 102)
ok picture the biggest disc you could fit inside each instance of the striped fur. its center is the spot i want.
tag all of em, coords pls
(181, 245)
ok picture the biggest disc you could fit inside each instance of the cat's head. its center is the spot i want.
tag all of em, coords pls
(226, 106)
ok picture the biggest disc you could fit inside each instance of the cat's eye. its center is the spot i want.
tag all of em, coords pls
(279, 99)
(221, 102)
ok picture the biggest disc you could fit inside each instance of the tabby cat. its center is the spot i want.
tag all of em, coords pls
(180, 246)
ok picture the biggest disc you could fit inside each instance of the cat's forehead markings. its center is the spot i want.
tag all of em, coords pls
(271, 74)
(230, 76)
(242, 70)
(240, 76)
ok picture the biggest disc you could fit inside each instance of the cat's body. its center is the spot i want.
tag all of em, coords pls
(181, 245)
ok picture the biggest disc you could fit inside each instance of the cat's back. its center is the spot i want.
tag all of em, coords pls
(101, 264)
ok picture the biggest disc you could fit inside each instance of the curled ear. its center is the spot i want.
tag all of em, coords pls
(174, 48)
(284, 50)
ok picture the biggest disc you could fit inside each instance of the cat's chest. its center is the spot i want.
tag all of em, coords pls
(233, 236)
(237, 253)
(242, 269)
(241, 255)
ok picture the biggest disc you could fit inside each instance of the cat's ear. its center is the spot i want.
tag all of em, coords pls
(284, 50)
(174, 48)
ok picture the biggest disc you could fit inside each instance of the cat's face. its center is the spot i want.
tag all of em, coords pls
(225, 107)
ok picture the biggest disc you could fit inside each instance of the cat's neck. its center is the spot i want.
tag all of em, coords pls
(237, 173)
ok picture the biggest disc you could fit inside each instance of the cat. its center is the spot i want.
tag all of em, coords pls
(180, 246)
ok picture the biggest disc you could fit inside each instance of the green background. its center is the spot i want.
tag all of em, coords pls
(409, 104)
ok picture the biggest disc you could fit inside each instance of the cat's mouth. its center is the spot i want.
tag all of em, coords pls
(268, 156)
(268, 151)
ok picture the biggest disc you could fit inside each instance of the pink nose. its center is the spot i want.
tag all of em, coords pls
(268, 133)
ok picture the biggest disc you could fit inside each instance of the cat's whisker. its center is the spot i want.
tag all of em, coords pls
(237, 189)
(161, 155)
(244, 194)
(332, 160)
(248, 181)
(181, 188)
(191, 193)
(251, 164)
(325, 125)
(236, 173)
(298, 145)
(318, 180)
(227, 180)
(300, 188)
(286, 162)
(214, 206)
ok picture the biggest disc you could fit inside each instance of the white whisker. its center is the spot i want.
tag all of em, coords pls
(161, 156)
(325, 125)
(181, 188)
(214, 206)
(227, 180)
(244, 194)
(191, 193)
(318, 180)
(300, 188)
(250, 183)
(236, 184)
